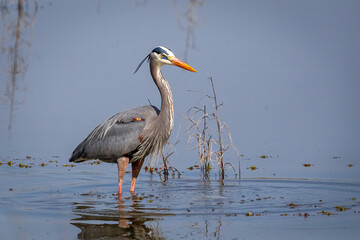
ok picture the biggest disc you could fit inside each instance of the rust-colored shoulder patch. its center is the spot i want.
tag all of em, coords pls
(138, 119)
(141, 138)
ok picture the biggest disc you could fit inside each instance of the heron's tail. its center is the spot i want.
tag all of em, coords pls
(77, 155)
(77, 160)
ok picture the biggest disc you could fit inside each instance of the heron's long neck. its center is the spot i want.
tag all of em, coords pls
(167, 106)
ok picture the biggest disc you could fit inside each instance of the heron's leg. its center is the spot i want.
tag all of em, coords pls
(122, 164)
(136, 167)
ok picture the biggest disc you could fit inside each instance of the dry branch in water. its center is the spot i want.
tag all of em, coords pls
(165, 158)
(166, 168)
(200, 132)
(17, 21)
(190, 17)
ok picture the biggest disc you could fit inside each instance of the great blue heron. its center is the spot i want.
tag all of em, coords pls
(132, 135)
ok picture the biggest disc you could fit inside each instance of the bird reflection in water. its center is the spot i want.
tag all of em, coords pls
(124, 221)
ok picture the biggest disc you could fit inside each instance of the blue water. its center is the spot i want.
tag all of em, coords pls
(60, 202)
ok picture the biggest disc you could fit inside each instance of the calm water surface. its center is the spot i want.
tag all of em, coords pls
(62, 202)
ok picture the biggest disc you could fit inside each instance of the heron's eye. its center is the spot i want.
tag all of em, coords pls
(163, 56)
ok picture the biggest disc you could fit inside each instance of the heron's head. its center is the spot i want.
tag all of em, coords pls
(164, 56)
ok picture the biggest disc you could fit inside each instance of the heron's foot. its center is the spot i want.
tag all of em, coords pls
(120, 188)
(122, 164)
(133, 183)
(119, 196)
(136, 167)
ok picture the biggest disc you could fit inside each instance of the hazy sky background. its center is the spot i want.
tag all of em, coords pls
(288, 73)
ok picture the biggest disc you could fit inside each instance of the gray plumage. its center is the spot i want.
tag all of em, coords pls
(118, 136)
(137, 132)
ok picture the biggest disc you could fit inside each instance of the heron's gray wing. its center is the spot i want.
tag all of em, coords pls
(117, 136)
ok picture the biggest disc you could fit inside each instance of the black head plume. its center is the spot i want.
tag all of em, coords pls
(160, 50)
(147, 57)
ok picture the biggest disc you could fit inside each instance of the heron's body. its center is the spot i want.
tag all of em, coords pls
(120, 135)
(132, 135)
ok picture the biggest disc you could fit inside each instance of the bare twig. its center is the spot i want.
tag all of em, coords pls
(17, 21)
(170, 151)
(200, 129)
(218, 123)
(233, 147)
(190, 16)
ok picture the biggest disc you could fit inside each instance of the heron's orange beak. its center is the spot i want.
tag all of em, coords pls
(181, 64)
